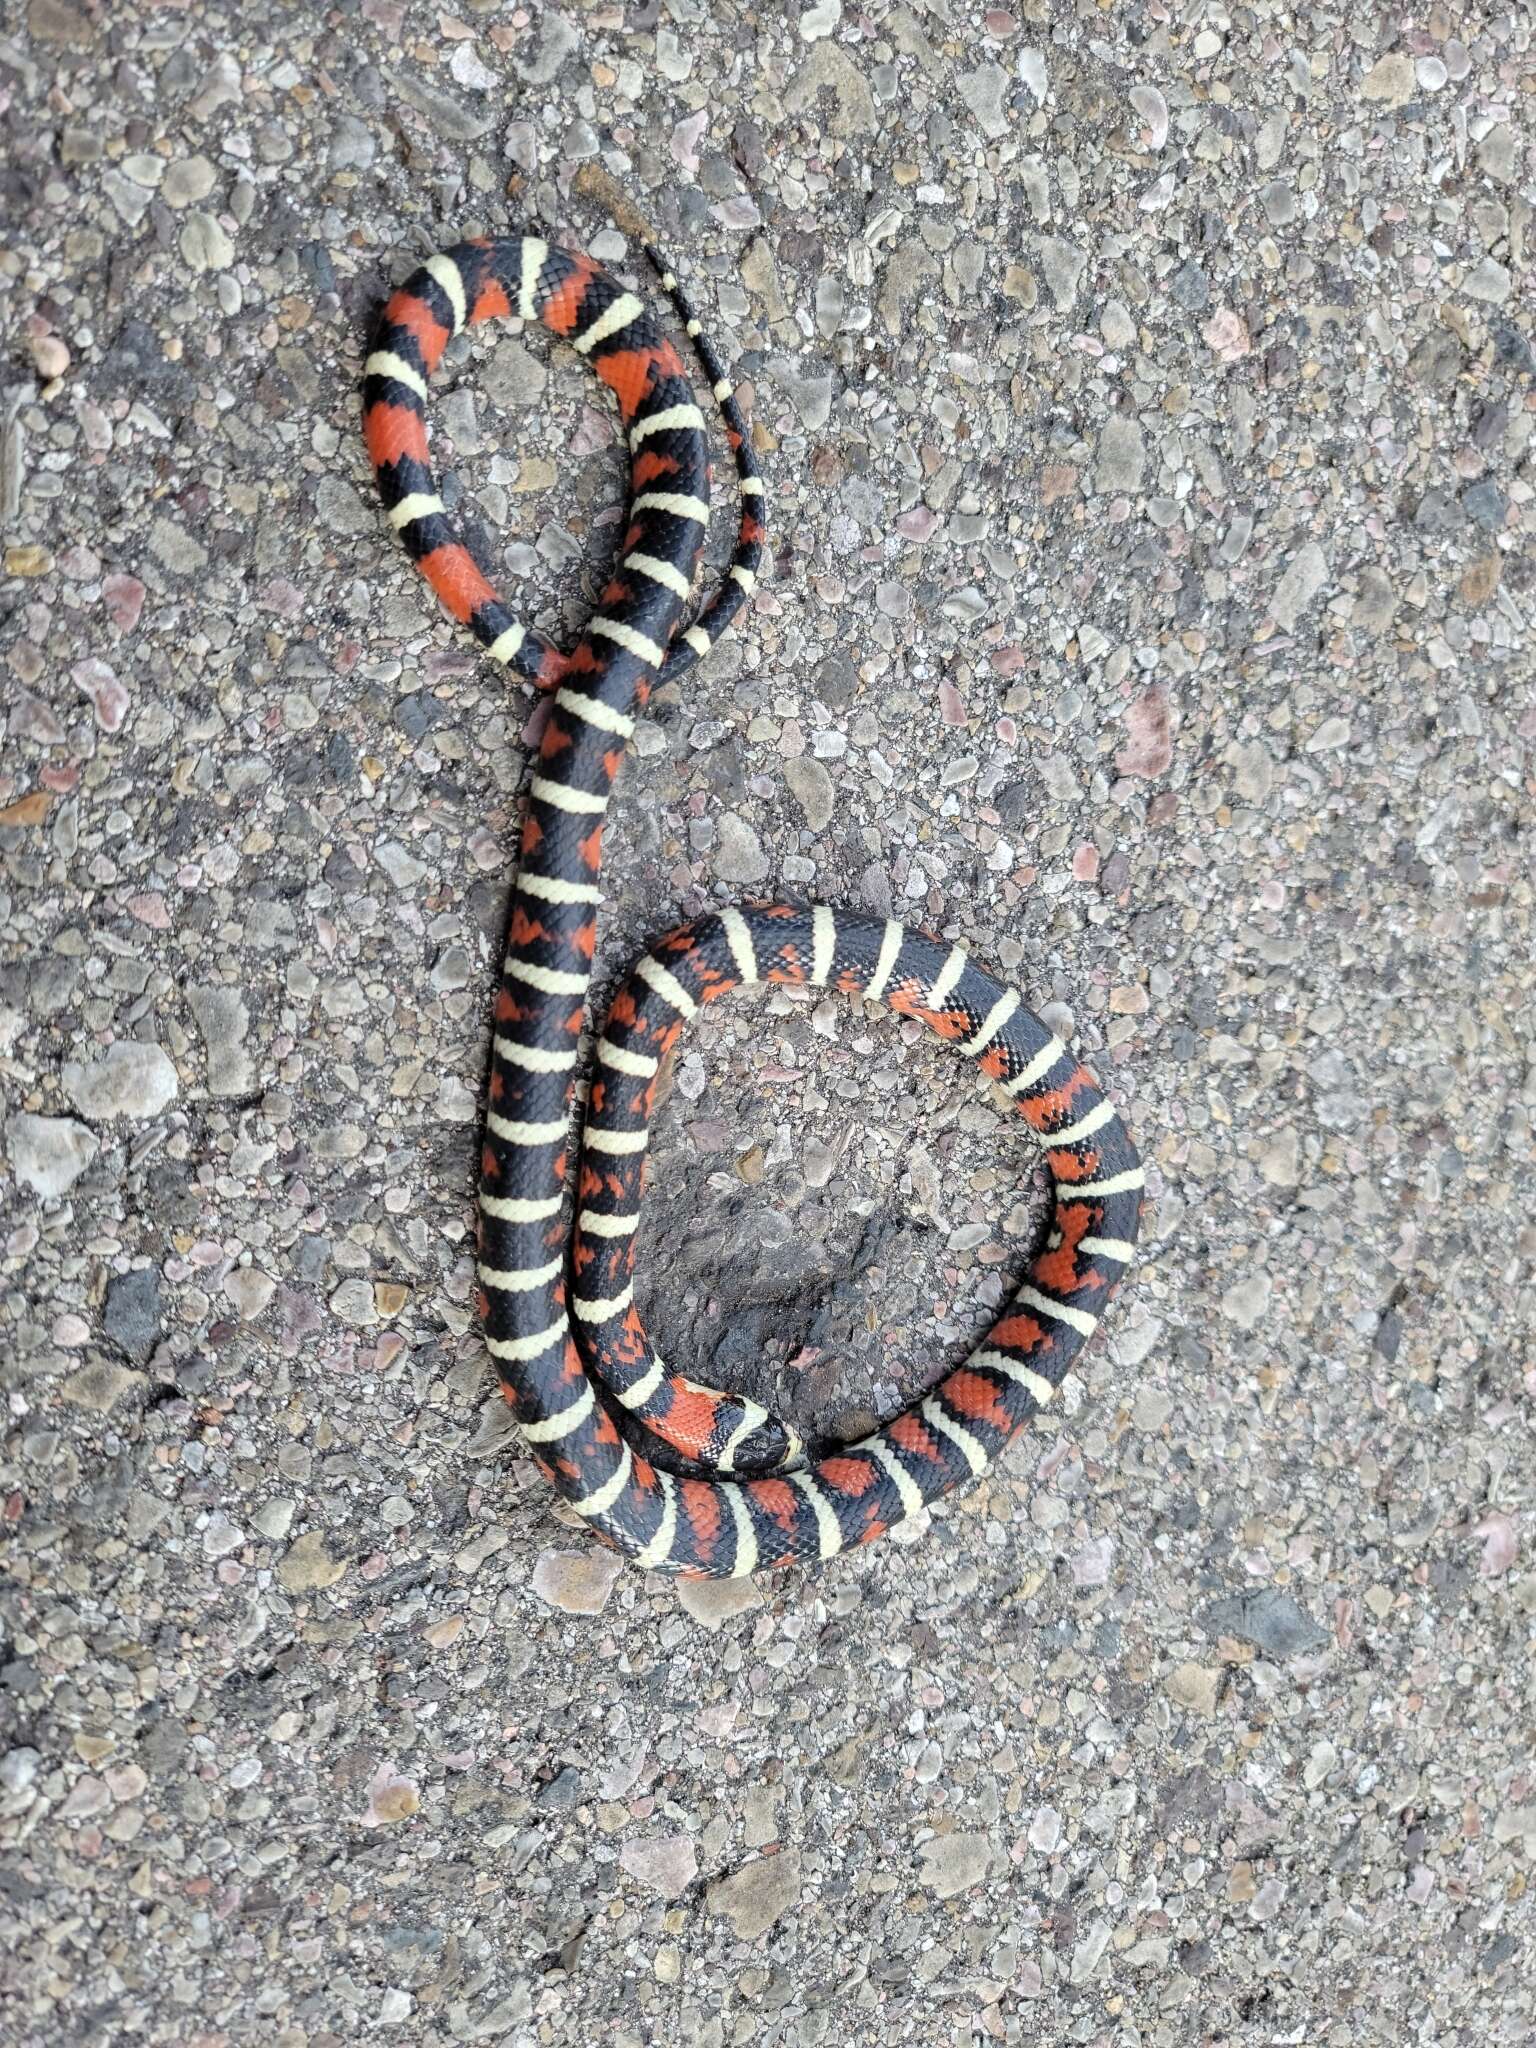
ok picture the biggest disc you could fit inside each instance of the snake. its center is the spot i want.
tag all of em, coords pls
(684, 1480)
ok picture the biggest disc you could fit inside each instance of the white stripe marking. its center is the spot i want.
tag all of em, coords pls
(575, 802)
(723, 390)
(1022, 1375)
(385, 363)
(519, 1350)
(945, 979)
(603, 1497)
(890, 948)
(533, 255)
(745, 577)
(1042, 1063)
(823, 942)
(523, 1281)
(596, 1308)
(697, 639)
(1101, 1114)
(446, 271)
(1117, 1248)
(643, 1388)
(506, 644)
(615, 1143)
(624, 312)
(829, 1537)
(678, 503)
(554, 1427)
(596, 1224)
(632, 642)
(555, 889)
(1058, 1311)
(1090, 1190)
(671, 419)
(419, 505)
(664, 573)
(549, 981)
(665, 985)
(958, 1435)
(908, 1492)
(694, 329)
(746, 1536)
(750, 486)
(521, 1208)
(752, 1417)
(623, 1061)
(993, 1021)
(517, 1132)
(739, 939)
(533, 1059)
(659, 1549)
(593, 711)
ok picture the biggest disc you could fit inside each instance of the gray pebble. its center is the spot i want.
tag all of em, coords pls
(49, 1153)
(1269, 1618)
(811, 787)
(1122, 455)
(739, 855)
(223, 1020)
(129, 1079)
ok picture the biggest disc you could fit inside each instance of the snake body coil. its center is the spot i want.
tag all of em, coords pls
(683, 1479)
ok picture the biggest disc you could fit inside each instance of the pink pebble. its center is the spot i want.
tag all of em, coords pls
(1085, 862)
(951, 704)
(1149, 721)
(149, 909)
(108, 697)
(124, 599)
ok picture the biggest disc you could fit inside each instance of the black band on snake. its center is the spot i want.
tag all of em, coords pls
(681, 1478)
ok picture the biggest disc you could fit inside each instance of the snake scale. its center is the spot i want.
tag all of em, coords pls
(682, 1479)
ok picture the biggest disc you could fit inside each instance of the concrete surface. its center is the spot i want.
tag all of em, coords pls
(1147, 398)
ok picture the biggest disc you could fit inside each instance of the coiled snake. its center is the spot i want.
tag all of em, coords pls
(683, 1479)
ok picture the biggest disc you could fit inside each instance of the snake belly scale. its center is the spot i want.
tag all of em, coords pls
(683, 1479)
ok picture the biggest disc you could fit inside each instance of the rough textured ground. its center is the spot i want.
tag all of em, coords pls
(1147, 399)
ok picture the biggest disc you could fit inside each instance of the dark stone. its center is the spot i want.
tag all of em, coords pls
(1485, 504)
(1497, 1953)
(308, 1259)
(342, 872)
(315, 261)
(1436, 360)
(418, 713)
(561, 1794)
(131, 1316)
(1389, 1334)
(1190, 288)
(1489, 419)
(747, 148)
(1513, 346)
(836, 681)
(340, 758)
(1193, 1796)
(137, 367)
(1436, 512)
(43, 983)
(1269, 1618)
(1015, 805)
